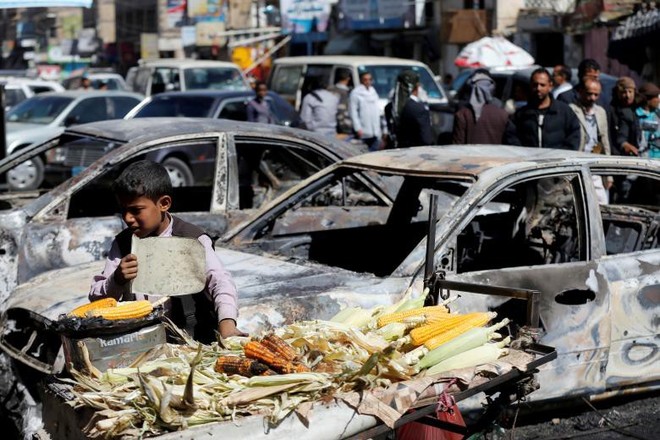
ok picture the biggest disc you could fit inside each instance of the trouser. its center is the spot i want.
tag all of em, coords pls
(372, 143)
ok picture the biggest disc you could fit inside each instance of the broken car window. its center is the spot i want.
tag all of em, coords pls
(530, 223)
(96, 199)
(631, 218)
(340, 221)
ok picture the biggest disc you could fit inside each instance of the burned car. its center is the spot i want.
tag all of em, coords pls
(503, 219)
(237, 167)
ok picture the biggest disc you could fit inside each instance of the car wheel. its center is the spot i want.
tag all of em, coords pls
(180, 173)
(27, 175)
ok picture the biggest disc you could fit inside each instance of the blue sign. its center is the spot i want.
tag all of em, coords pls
(4, 4)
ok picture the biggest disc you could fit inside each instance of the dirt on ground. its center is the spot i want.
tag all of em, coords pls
(614, 419)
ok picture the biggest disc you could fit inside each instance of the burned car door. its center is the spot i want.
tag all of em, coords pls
(80, 224)
(630, 223)
(532, 233)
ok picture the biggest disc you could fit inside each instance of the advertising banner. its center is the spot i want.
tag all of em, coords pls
(376, 14)
(302, 16)
(4, 4)
(175, 10)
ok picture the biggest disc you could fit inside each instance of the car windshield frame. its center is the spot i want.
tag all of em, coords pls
(48, 109)
(170, 106)
(430, 87)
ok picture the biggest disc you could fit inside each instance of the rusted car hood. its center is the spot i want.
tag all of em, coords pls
(278, 292)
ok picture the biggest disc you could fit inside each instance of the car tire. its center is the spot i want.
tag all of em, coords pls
(179, 171)
(28, 175)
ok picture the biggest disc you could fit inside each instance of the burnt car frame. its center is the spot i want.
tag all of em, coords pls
(239, 166)
(511, 217)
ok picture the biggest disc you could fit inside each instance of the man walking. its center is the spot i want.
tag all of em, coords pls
(544, 122)
(342, 89)
(594, 132)
(412, 119)
(561, 76)
(365, 112)
(319, 109)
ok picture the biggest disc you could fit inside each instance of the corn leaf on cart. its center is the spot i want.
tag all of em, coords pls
(333, 419)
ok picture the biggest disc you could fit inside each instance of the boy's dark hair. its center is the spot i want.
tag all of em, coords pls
(541, 70)
(143, 178)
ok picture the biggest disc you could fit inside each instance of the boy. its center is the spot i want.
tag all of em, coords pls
(143, 190)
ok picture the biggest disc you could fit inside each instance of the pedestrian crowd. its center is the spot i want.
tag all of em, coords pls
(551, 114)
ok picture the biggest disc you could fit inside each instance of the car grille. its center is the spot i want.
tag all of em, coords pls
(82, 156)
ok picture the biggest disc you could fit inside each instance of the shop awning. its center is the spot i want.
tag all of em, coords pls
(630, 39)
(6, 4)
(589, 12)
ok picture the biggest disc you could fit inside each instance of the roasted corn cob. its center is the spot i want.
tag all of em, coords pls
(256, 350)
(279, 346)
(239, 365)
(124, 310)
(81, 311)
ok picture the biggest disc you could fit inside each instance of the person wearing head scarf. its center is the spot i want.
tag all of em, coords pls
(480, 121)
(409, 118)
(648, 102)
(625, 134)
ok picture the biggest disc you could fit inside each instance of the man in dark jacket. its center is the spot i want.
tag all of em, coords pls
(544, 122)
(413, 119)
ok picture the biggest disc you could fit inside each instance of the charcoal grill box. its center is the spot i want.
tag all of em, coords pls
(111, 349)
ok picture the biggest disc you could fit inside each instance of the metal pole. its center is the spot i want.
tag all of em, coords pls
(430, 240)
(3, 138)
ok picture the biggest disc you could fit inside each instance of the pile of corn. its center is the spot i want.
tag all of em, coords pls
(177, 386)
(109, 308)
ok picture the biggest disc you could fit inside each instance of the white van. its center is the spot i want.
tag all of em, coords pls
(166, 75)
(291, 78)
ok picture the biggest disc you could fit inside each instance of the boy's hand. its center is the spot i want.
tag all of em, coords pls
(227, 328)
(127, 270)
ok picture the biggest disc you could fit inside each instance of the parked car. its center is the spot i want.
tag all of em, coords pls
(47, 115)
(76, 221)
(221, 104)
(167, 75)
(112, 81)
(292, 78)
(18, 90)
(513, 217)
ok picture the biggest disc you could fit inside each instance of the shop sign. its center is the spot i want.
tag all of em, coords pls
(303, 16)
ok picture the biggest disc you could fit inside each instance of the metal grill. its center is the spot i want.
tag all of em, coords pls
(82, 156)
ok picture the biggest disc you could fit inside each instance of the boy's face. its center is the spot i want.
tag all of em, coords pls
(144, 216)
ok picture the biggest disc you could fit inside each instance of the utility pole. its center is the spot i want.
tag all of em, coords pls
(437, 18)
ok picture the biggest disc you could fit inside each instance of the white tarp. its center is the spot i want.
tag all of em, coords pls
(493, 52)
(5, 4)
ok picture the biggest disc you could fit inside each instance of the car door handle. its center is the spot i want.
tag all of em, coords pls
(575, 297)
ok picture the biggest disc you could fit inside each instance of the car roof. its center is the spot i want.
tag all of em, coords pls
(94, 93)
(352, 60)
(186, 63)
(466, 161)
(146, 129)
(207, 93)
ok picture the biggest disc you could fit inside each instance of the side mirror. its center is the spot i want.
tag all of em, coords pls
(71, 120)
